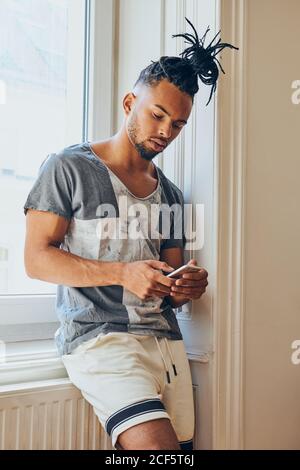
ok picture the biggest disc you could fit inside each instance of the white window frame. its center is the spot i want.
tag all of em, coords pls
(228, 313)
(33, 317)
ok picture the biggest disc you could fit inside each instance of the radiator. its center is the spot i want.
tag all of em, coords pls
(52, 416)
(49, 417)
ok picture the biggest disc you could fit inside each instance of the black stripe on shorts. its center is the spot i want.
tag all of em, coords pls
(130, 411)
(186, 445)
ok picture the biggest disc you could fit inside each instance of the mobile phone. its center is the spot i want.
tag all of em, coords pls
(186, 268)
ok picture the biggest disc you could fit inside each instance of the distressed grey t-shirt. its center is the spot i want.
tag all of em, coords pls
(107, 223)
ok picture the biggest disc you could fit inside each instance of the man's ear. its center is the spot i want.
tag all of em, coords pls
(128, 102)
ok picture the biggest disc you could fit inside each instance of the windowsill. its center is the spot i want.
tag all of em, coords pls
(34, 386)
(30, 361)
(25, 333)
(27, 348)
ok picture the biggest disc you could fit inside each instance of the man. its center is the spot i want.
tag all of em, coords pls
(119, 338)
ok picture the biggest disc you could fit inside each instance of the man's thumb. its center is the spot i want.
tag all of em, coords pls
(193, 261)
(161, 265)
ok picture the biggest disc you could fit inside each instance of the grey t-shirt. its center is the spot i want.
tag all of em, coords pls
(108, 223)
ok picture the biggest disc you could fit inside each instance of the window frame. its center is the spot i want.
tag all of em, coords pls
(32, 317)
(27, 317)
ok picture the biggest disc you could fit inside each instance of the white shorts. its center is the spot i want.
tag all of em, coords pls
(125, 377)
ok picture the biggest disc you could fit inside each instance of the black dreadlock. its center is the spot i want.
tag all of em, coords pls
(183, 72)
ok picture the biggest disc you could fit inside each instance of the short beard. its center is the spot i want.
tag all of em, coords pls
(144, 152)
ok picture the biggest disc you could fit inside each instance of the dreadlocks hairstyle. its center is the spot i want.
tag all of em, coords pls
(197, 61)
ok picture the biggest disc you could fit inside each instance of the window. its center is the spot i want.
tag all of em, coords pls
(42, 109)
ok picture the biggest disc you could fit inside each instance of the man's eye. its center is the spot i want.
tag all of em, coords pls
(160, 117)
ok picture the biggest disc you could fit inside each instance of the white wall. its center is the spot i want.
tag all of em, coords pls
(143, 33)
(272, 254)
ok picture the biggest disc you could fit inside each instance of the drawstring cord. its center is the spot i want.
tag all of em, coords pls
(173, 362)
(162, 356)
(163, 359)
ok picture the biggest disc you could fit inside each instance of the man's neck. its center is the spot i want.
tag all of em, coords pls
(123, 155)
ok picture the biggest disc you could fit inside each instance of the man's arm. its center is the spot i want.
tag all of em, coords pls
(44, 260)
(174, 257)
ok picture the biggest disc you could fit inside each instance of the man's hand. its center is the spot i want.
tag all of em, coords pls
(190, 285)
(144, 279)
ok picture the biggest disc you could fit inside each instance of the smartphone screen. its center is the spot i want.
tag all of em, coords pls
(186, 268)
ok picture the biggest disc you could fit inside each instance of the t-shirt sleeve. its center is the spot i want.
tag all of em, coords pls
(51, 190)
(176, 238)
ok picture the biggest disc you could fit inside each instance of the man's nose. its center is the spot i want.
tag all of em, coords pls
(166, 131)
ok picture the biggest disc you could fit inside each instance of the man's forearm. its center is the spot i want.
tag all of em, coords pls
(61, 267)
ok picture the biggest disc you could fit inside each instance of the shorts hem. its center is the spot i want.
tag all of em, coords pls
(143, 418)
(187, 445)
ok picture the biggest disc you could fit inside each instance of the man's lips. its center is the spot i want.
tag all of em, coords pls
(159, 144)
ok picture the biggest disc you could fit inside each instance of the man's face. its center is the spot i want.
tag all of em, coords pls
(157, 114)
